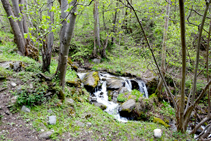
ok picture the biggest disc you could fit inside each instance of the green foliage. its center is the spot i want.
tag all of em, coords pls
(134, 94)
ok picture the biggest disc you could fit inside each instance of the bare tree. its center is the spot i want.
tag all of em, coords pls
(96, 28)
(47, 49)
(15, 27)
(65, 43)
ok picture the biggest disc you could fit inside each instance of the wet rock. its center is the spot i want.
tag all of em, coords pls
(93, 99)
(91, 81)
(123, 90)
(46, 135)
(100, 105)
(114, 84)
(96, 60)
(157, 133)
(13, 84)
(70, 102)
(52, 120)
(127, 107)
(25, 109)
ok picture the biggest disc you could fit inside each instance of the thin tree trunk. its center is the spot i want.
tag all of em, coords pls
(47, 50)
(208, 77)
(163, 56)
(63, 55)
(16, 30)
(96, 28)
(114, 24)
(197, 55)
(25, 27)
(15, 4)
(105, 28)
(183, 44)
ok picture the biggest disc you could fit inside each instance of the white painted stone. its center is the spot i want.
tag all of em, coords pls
(13, 84)
(157, 133)
(52, 120)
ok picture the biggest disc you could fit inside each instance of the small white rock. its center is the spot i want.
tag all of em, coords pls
(52, 120)
(25, 109)
(157, 133)
(46, 135)
(13, 84)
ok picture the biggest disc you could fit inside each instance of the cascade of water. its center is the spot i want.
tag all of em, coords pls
(142, 88)
(112, 108)
(102, 97)
(128, 84)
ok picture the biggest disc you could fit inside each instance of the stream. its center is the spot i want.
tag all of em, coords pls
(101, 93)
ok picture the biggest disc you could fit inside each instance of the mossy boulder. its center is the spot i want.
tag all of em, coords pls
(74, 83)
(90, 81)
(160, 121)
(127, 108)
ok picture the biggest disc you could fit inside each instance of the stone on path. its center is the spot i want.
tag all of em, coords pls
(13, 84)
(157, 133)
(46, 135)
(25, 109)
(52, 120)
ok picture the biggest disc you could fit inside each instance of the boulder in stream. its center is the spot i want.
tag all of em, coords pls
(100, 105)
(114, 84)
(91, 80)
(127, 107)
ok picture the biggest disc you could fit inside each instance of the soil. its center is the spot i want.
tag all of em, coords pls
(12, 125)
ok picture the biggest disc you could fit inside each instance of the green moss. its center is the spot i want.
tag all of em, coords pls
(160, 121)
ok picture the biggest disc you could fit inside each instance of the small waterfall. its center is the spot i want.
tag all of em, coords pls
(142, 88)
(112, 108)
(100, 93)
(128, 84)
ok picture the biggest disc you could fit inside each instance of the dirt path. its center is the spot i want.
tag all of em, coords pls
(12, 125)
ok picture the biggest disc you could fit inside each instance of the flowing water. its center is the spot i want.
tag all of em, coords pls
(102, 95)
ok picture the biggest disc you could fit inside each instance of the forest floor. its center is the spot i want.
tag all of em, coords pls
(77, 120)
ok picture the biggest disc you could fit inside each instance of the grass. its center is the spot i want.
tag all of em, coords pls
(103, 125)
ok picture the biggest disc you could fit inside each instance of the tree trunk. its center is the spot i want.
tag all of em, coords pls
(25, 27)
(15, 27)
(163, 56)
(180, 119)
(47, 50)
(114, 25)
(96, 28)
(64, 46)
(15, 4)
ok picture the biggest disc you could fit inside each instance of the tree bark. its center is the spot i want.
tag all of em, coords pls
(15, 27)
(47, 50)
(25, 26)
(114, 24)
(17, 13)
(64, 46)
(180, 113)
(96, 28)
(163, 56)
